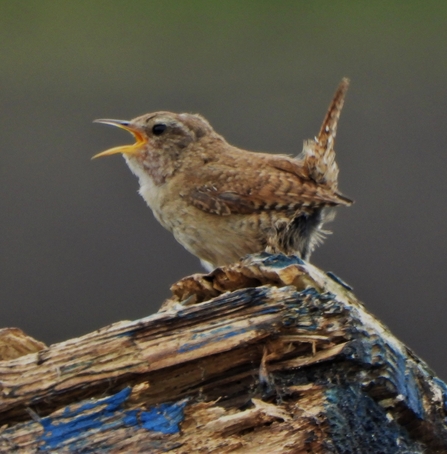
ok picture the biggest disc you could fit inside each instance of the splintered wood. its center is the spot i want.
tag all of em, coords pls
(268, 355)
(15, 343)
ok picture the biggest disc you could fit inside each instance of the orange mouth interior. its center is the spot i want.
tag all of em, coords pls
(141, 140)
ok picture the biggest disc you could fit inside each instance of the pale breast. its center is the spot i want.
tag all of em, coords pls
(153, 194)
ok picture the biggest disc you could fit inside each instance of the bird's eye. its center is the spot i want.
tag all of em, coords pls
(159, 129)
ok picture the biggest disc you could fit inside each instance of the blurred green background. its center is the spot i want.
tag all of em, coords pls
(78, 247)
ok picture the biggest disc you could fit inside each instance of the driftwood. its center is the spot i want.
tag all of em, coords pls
(269, 355)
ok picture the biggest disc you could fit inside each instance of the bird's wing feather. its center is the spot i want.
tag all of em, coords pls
(274, 187)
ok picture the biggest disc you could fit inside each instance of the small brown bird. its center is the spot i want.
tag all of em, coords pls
(221, 202)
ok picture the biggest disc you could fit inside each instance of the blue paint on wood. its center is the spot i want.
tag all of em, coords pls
(164, 418)
(81, 418)
(281, 260)
(443, 388)
(106, 414)
(413, 393)
(66, 369)
(405, 381)
(254, 296)
(335, 278)
(270, 310)
(310, 291)
(309, 305)
(358, 424)
(190, 346)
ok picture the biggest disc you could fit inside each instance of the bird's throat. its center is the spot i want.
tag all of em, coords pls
(150, 166)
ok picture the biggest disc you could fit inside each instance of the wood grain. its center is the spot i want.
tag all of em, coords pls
(268, 355)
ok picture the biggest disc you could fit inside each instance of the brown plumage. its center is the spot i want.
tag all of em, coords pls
(221, 202)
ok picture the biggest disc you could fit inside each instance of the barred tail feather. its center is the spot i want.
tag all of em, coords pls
(318, 155)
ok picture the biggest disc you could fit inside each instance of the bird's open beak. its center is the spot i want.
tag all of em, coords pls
(125, 149)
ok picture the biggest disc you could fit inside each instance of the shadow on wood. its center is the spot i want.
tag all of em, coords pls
(268, 355)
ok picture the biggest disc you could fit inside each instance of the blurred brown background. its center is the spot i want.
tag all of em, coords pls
(78, 247)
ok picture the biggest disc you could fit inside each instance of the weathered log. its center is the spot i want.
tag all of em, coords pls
(269, 355)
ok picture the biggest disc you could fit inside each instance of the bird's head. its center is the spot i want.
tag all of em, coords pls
(164, 133)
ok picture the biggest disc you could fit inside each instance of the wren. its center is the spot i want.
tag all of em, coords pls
(222, 202)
